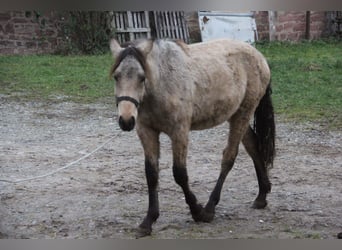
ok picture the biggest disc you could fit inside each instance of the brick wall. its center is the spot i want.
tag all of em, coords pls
(261, 20)
(319, 25)
(27, 32)
(292, 25)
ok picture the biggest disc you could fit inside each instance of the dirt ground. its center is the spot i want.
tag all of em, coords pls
(105, 195)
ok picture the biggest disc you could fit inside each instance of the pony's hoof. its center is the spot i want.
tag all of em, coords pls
(259, 204)
(198, 213)
(142, 232)
(205, 216)
(208, 216)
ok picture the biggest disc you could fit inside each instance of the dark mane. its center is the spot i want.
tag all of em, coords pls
(130, 51)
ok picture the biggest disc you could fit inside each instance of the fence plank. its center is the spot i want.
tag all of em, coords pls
(147, 23)
(175, 24)
(162, 24)
(179, 25)
(172, 26)
(169, 29)
(122, 20)
(157, 24)
(130, 24)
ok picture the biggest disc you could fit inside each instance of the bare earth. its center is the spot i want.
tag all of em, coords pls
(105, 195)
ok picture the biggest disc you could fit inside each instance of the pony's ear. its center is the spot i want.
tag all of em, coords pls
(145, 47)
(115, 48)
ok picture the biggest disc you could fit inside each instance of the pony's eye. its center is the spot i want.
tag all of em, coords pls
(142, 78)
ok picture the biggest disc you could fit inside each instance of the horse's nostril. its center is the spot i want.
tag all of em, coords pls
(121, 122)
(132, 122)
(127, 125)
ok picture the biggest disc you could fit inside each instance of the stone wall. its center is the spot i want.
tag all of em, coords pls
(29, 32)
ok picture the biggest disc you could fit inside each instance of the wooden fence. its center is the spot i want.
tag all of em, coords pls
(131, 25)
(171, 24)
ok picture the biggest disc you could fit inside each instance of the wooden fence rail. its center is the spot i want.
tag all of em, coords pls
(171, 24)
(131, 25)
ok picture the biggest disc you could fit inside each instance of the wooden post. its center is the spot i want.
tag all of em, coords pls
(307, 28)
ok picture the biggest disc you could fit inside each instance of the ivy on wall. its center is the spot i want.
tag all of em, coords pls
(86, 32)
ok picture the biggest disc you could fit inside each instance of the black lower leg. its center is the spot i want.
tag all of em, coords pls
(214, 198)
(251, 145)
(145, 227)
(264, 186)
(181, 178)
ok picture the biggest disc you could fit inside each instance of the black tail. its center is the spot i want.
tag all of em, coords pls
(264, 127)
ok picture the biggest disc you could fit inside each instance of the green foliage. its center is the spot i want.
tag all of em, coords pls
(86, 32)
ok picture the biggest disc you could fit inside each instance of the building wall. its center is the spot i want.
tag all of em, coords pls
(287, 25)
(26, 32)
(23, 32)
(292, 25)
(261, 20)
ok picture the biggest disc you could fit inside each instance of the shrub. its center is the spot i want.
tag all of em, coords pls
(86, 32)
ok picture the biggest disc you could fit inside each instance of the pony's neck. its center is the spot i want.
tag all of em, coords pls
(167, 62)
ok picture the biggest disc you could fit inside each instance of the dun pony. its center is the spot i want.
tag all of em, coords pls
(166, 86)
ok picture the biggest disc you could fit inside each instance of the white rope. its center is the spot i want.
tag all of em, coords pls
(65, 167)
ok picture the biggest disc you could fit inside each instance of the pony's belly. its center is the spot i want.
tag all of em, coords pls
(208, 123)
(212, 114)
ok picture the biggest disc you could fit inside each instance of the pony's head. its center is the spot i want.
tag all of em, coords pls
(130, 72)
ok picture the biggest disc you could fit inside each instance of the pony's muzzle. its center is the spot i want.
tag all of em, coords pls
(127, 124)
(127, 111)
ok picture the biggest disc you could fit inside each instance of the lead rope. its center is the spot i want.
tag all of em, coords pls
(66, 166)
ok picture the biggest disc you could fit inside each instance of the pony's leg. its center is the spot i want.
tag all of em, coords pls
(150, 142)
(179, 148)
(238, 126)
(251, 144)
